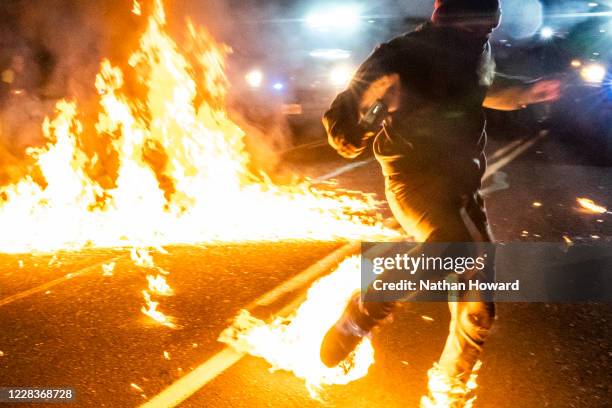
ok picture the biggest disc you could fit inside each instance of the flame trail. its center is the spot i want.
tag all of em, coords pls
(293, 343)
(108, 268)
(590, 206)
(151, 310)
(157, 285)
(174, 166)
(136, 8)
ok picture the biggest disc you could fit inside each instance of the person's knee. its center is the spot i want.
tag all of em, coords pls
(478, 319)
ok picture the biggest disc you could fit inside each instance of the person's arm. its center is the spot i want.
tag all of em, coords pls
(511, 96)
(341, 121)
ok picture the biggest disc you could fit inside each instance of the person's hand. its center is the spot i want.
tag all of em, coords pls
(546, 90)
(386, 89)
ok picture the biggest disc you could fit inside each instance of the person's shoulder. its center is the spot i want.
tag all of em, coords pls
(399, 42)
(408, 39)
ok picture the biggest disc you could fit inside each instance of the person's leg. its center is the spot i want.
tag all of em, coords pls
(432, 214)
(469, 327)
(408, 202)
(453, 379)
(427, 209)
(470, 320)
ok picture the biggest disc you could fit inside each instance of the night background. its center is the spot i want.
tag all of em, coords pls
(145, 203)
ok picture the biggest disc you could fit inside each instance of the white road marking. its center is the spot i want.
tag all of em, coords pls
(505, 149)
(504, 161)
(499, 182)
(188, 385)
(46, 286)
(344, 169)
(308, 275)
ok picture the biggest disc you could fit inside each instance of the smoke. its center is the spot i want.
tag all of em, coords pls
(49, 50)
(52, 49)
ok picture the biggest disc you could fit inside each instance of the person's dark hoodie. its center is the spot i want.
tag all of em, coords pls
(439, 128)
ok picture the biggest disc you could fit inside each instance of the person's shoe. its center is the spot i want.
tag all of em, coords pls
(448, 392)
(344, 336)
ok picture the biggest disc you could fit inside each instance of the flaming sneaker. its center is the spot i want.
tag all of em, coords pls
(345, 335)
(449, 392)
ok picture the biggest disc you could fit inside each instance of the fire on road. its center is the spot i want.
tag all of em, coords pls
(180, 175)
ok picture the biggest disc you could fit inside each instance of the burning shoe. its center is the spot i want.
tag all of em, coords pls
(344, 337)
(449, 392)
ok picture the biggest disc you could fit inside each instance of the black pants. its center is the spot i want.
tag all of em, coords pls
(436, 209)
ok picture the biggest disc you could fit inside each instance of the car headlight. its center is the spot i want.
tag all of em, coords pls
(593, 73)
(345, 18)
(547, 33)
(576, 63)
(254, 78)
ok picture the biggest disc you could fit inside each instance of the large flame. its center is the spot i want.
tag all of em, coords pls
(293, 343)
(175, 166)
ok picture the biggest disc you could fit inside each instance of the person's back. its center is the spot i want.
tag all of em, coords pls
(433, 83)
(439, 124)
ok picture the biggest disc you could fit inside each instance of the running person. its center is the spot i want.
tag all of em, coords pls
(433, 82)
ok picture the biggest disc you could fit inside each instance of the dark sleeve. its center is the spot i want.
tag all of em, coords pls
(341, 121)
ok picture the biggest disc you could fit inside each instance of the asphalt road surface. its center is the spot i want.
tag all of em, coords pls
(63, 323)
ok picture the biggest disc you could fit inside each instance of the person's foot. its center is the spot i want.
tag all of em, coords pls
(448, 392)
(344, 336)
